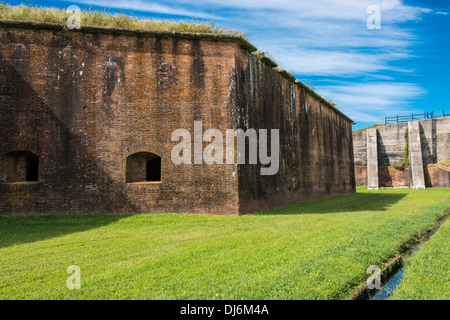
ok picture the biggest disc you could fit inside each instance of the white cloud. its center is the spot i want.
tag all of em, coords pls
(148, 6)
(393, 10)
(373, 101)
(306, 11)
(323, 37)
(337, 61)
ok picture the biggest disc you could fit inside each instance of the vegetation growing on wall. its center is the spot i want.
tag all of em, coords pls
(444, 163)
(332, 102)
(266, 58)
(405, 163)
(106, 19)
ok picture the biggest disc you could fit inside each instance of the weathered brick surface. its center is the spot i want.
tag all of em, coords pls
(361, 175)
(83, 102)
(316, 151)
(437, 176)
(391, 177)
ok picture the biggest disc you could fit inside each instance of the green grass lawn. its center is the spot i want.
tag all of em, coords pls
(315, 250)
(427, 275)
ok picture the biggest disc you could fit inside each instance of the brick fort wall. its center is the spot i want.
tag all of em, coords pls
(83, 102)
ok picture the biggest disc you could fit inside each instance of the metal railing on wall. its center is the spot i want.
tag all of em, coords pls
(414, 116)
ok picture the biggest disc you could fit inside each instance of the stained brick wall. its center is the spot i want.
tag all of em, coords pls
(316, 151)
(85, 101)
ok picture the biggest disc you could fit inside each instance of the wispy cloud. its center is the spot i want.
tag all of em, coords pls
(351, 62)
(372, 102)
(326, 37)
(149, 6)
(322, 37)
(394, 10)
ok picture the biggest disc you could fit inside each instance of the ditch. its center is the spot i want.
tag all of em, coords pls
(395, 269)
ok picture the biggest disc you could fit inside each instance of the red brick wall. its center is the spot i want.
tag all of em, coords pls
(388, 177)
(437, 176)
(393, 178)
(85, 101)
(16, 168)
(316, 151)
(361, 176)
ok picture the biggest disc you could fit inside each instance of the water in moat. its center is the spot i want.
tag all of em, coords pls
(396, 277)
(392, 283)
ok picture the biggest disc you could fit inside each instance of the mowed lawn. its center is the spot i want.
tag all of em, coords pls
(427, 275)
(315, 250)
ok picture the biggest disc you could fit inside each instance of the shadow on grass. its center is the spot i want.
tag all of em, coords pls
(357, 202)
(24, 229)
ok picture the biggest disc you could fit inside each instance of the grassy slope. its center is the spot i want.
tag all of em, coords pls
(316, 250)
(427, 275)
(374, 126)
(105, 19)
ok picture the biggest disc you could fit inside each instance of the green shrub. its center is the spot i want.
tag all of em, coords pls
(405, 163)
(399, 165)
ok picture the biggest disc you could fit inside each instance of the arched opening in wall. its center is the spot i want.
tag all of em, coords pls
(143, 167)
(21, 166)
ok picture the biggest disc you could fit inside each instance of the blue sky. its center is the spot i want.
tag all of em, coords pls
(398, 69)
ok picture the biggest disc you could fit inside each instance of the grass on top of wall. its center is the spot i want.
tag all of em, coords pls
(106, 19)
(371, 127)
(445, 163)
(315, 250)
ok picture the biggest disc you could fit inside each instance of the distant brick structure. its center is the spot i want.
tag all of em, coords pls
(86, 120)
